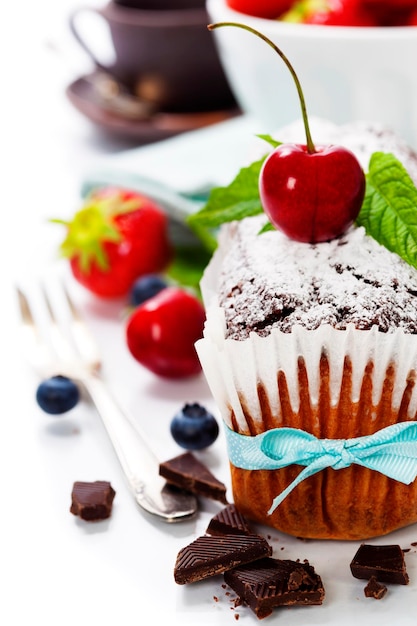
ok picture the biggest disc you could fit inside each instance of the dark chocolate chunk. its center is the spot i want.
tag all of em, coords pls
(187, 472)
(270, 583)
(375, 589)
(386, 563)
(210, 555)
(229, 521)
(92, 501)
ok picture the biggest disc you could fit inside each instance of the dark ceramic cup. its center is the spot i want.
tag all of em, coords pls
(164, 56)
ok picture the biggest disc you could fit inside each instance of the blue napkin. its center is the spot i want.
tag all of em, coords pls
(178, 173)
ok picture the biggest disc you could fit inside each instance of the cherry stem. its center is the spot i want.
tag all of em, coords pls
(310, 145)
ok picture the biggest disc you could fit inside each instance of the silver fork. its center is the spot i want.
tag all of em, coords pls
(63, 344)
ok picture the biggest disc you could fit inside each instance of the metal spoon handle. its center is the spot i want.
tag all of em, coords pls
(139, 463)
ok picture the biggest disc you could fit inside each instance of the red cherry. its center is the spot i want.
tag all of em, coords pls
(311, 197)
(161, 333)
(412, 20)
(310, 194)
(391, 4)
(391, 12)
(260, 8)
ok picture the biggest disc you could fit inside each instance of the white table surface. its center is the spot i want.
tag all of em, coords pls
(55, 568)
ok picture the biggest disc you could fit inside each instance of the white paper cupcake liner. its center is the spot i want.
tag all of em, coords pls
(235, 369)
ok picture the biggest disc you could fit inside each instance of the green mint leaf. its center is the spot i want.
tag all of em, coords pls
(238, 200)
(273, 142)
(389, 210)
(207, 238)
(188, 266)
(266, 228)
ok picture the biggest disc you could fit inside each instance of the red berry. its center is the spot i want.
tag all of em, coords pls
(391, 4)
(330, 13)
(261, 8)
(341, 13)
(311, 197)
(116, 237)
(412, 20)
(161, 333)
(391, 12)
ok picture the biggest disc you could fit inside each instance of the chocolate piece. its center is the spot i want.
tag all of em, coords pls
(210, 555)
(92, 501)
(229, 521)
(375, 589)
(269, 583)
(386, 563)
(187, 472)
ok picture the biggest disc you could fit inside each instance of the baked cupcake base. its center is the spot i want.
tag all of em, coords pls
(350, 504)
(332, 384)
(353, 503)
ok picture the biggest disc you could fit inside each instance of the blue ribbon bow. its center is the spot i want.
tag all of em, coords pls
(391, 451)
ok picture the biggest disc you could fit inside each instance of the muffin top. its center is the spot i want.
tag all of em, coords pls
(270, 281)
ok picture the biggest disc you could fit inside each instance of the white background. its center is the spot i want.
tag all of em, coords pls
(55, 568)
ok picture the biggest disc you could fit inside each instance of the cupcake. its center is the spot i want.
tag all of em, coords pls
(310, 351)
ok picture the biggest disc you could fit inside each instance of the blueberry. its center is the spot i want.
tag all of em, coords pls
(146, 287)
(57, 395)
(194, 428)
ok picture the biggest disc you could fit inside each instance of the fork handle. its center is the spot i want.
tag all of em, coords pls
(139, 463)
(135, 455)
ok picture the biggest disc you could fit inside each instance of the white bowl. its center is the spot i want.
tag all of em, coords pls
(348, 74)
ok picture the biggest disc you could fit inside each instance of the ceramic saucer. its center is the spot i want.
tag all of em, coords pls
(82, 94)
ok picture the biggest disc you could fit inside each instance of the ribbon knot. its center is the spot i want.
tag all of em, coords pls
(392, 451)
(338, 449)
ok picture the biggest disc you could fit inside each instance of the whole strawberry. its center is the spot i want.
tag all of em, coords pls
(116, 237)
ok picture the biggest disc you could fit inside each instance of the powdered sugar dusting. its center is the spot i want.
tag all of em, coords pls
(270, 281)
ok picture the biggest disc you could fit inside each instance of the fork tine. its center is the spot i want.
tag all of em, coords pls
(25, 311)
(59, 341)
(54, 335)
(82, 336)
(36, 349)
